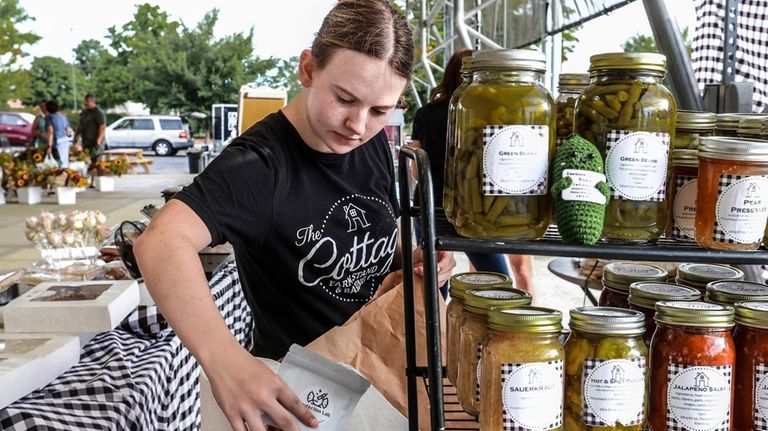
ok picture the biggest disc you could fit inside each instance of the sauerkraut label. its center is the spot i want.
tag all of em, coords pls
(478, 278)
(515, 160)
(684, 208)
(699, 398)
(636, 165)
(532, 395)
(761, 397)
(614, 392)
(741, 210)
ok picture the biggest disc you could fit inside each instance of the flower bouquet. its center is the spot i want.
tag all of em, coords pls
(104, 170)
(66, 181)
(65, 238)
(27, 181)
(79, 159)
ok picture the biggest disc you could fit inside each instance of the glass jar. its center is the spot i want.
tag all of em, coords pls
(570, 87)
(605, 370)
(633, 131)
(683, 186)
(732, 207)
(643, 296)
(454, 312)
(449, 184)
(754, 126)
(522, 370)
(699, 275)
(727, 125)
(617, 276)
(692, 363)
(472, 332)
(751, 381)
(727, 292)
(505, 142)
(691, 125)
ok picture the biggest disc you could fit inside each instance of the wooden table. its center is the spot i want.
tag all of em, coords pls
(135, 158)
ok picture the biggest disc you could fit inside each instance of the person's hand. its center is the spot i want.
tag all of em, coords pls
(247, 390)
(445, 264)
(49, 150)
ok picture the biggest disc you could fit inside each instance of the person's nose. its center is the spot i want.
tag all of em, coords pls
(356, 121)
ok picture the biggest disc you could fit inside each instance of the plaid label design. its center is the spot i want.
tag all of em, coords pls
(684, 208)
(630, 155)
(698, 398)
(478, 371)
(515, 160)
(529, 393)
(761, 397)
(735, 227)
(613, 392)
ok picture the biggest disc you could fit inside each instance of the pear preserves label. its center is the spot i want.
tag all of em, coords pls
(741, 210)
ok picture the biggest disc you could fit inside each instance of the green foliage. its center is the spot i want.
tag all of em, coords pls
(51, 78)
(275, 72)
(13, 82)
(645, 43)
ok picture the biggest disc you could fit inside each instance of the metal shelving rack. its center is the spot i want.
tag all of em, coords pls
(438, 234)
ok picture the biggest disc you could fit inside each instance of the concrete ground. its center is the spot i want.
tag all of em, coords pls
(133, 192)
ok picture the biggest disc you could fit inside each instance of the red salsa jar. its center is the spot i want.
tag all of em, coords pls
(617, 276)
(727, 292)
(643, 296)
(750, 412)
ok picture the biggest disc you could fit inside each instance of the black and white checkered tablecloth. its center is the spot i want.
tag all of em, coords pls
(136, 377)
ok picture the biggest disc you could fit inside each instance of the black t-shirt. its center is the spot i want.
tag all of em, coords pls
(430, 124)
(314, 233)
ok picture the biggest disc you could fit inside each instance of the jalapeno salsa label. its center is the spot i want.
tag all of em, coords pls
(699, 398)
(636, 165)
(614, 392)
(761, 397)
(684, 208)
(515, 160)
(532, 395)
(741, 209)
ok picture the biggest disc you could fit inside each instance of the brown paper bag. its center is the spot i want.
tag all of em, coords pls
(373, 342)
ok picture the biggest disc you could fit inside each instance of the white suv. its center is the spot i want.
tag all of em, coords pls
(164, 134)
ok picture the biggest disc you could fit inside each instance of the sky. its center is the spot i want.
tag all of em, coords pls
(283, 28)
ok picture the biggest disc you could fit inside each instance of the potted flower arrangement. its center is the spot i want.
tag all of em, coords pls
(104, 172)
(66, 181)
(28, 182)
(65, 237)
(7, 162)
(79, 159)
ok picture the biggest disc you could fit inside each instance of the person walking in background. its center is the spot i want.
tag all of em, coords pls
(39, 127)
(56, 128)
(91, 127)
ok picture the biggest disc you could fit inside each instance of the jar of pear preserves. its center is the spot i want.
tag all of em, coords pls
(683, 187)
(522, 342)
(472, 332)
(699, 275)
(643, 296)
(618, 276)
(729, 292)
(454, 312)
(630, 116)
(605, 370)
(449, 184)
(750, 412)
(570, 86)
(505, 122)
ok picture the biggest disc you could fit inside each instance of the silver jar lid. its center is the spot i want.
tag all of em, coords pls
(694, 313)
(509, 59)
(628, 61)
(752, 313)
(647, 293)
(696, 120)
(607, 320)
(727, 148)
(573, 80)
(729, 292)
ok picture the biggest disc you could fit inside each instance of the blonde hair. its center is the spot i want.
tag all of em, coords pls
(371, 27)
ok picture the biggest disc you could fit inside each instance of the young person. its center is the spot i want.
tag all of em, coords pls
(57, 127)
(307, 199)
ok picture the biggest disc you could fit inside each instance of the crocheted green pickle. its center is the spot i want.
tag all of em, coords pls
(578, 221)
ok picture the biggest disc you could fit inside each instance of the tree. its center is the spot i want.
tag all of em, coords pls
(51, 78)
(275, 72)
(645, 43)
(13, 81)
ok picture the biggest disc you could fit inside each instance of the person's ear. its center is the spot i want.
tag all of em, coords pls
(307, 67)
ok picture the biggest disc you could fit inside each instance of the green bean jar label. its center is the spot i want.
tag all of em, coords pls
(636, 165)
(684, 208)
(532, 395)
(699, 398)
(742, 208)
(515, 160)
(761, 395)
(614, 392)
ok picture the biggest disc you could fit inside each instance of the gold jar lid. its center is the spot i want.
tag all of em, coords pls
(727, 148)
(525, 319)
(728, 122)
(628, 60)
(696, 120)
(480, 301)
(694, 313)
(619, 275)
(509, 59)
(729, 292)
(685, 157)
(466, 64)
(752, 313)
(700, 274)
(459, 283)
(607, 320)
(573, 80)
(647, 293)
(753, 125)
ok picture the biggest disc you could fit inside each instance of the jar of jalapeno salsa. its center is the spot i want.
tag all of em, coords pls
(750, 411)
(699, 275)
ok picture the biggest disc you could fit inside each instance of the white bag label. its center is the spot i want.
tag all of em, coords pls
(636, 165)
(699, 398)
(742, 208)
(318, 401)
(583, 186)
(684, 208)
(515, 160)
(532, 395)
(614, 392)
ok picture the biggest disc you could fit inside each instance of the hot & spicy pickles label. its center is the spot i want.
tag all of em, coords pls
(515, 160)
(741, 209)
(614, 392)
(699, 398)
(636, 165)
(532, 395)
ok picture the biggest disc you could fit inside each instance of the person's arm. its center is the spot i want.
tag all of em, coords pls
(77, 134)
(36, 131)
(243, 386)
(522, 269)
(49, 130)
(100, 134)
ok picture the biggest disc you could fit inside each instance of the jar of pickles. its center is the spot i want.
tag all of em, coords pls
(505, 141)
(643, 296)
(683, 186)
(753, 126)
(454, 312)
(733, 193)
(605, 370)
(750, 412)
(617, 276)
(691, 125)
(522, 370)
(693, 358)
(727, 292)
(472, 332)
(570, 86)
(699, 275)
(630, 116)
(449, 184)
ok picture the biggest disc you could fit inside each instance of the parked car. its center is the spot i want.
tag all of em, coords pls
(163, 134)
(16, 127)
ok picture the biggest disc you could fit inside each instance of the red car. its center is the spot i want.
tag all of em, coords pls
(16, 127)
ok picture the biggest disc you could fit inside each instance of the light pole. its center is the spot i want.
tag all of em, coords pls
(74, 82)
